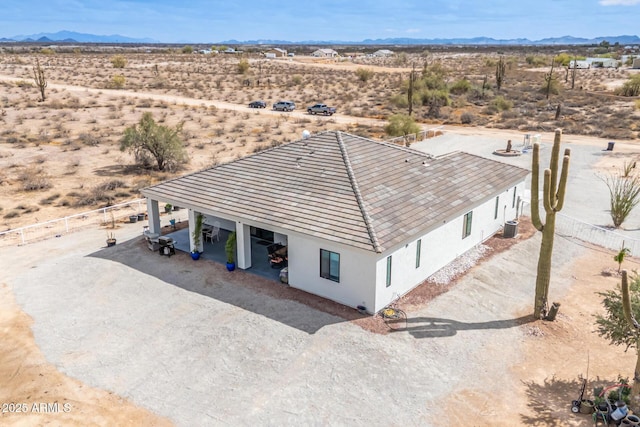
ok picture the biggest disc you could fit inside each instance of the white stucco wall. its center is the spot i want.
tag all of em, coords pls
(440, 246)
(357, 271)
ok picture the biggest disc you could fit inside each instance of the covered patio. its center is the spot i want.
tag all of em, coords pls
(214, 251)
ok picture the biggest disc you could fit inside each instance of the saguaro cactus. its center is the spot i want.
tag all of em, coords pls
(553, 200)
(628, 315)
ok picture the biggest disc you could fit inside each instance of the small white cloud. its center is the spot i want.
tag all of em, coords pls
(619, 2)
(413, 30)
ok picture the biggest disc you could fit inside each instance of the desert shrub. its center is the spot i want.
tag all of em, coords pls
(631, 87)
(88, 139)
(47, 51)
(118, 61)
(296, 79)
(12, 214)
(434, 79)
(460, 87)
(50, 199)
(509, 114)
(466, 118)
(501, 104)
(243, 66)
(364, 74)
(111, 185)
(399, 100)
(552, 87)
(116, 82)
(187, 49)
(430, 97)
(34, 179)
(637, 104)
(536, 61)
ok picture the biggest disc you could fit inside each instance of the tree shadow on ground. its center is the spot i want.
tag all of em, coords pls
(550, 401)
(124, 169)
(435, 327)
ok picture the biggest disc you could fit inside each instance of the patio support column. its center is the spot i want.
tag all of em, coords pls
(243, 243)
(192, 224)
(154, 216)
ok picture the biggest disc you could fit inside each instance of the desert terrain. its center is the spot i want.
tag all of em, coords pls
(62, 156)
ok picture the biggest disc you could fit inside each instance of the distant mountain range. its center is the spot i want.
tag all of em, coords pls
(73, 37)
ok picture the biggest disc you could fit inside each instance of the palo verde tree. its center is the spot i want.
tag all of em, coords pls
(40, 79)
(149, 141)
(401, 125)
(619, 324)
(553, 200)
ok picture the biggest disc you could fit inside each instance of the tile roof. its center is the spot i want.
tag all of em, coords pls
(344, 188)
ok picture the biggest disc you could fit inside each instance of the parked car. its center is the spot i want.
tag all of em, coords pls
(284, 106)
(321, 109)
(257, 104)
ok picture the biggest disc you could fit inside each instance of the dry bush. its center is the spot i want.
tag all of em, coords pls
(34, 179)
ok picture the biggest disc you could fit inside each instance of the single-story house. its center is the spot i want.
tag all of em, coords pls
(603, 62)
(364, 221)
(325, 53)
(276, 52)
(382, 53)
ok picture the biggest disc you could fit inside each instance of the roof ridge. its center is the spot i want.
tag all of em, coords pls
(356, 191)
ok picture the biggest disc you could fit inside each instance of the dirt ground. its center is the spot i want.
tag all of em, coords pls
(555, 353)
(555, 356)
(34, 392)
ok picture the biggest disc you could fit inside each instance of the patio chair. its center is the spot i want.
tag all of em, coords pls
(212, 232)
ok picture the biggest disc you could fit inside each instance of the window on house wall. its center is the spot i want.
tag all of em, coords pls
(495, 212)
(388, 271)
(466, 225)
(330, 265)
(513, 203)
(418, 249)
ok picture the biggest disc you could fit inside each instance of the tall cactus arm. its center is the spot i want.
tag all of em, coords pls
(562, 185)
(535, 188)
(546, 194)
(555, 155)
(626, 302)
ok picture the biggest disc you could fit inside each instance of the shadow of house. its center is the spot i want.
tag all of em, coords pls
(291, 307)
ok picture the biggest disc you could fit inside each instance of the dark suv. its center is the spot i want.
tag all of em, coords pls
(284, 106)
(257, 104)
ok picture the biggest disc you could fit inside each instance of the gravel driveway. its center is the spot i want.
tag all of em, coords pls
(194, 343)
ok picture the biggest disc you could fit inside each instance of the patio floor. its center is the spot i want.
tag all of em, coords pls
(215, 252)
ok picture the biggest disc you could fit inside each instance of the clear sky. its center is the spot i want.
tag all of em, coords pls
(177, 21)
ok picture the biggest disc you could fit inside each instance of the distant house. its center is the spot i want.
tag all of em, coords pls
(205, 51)
(579, 64)
(325, 53)
(276, 52)
(382, 53)
(602, 62)
(364, 221)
